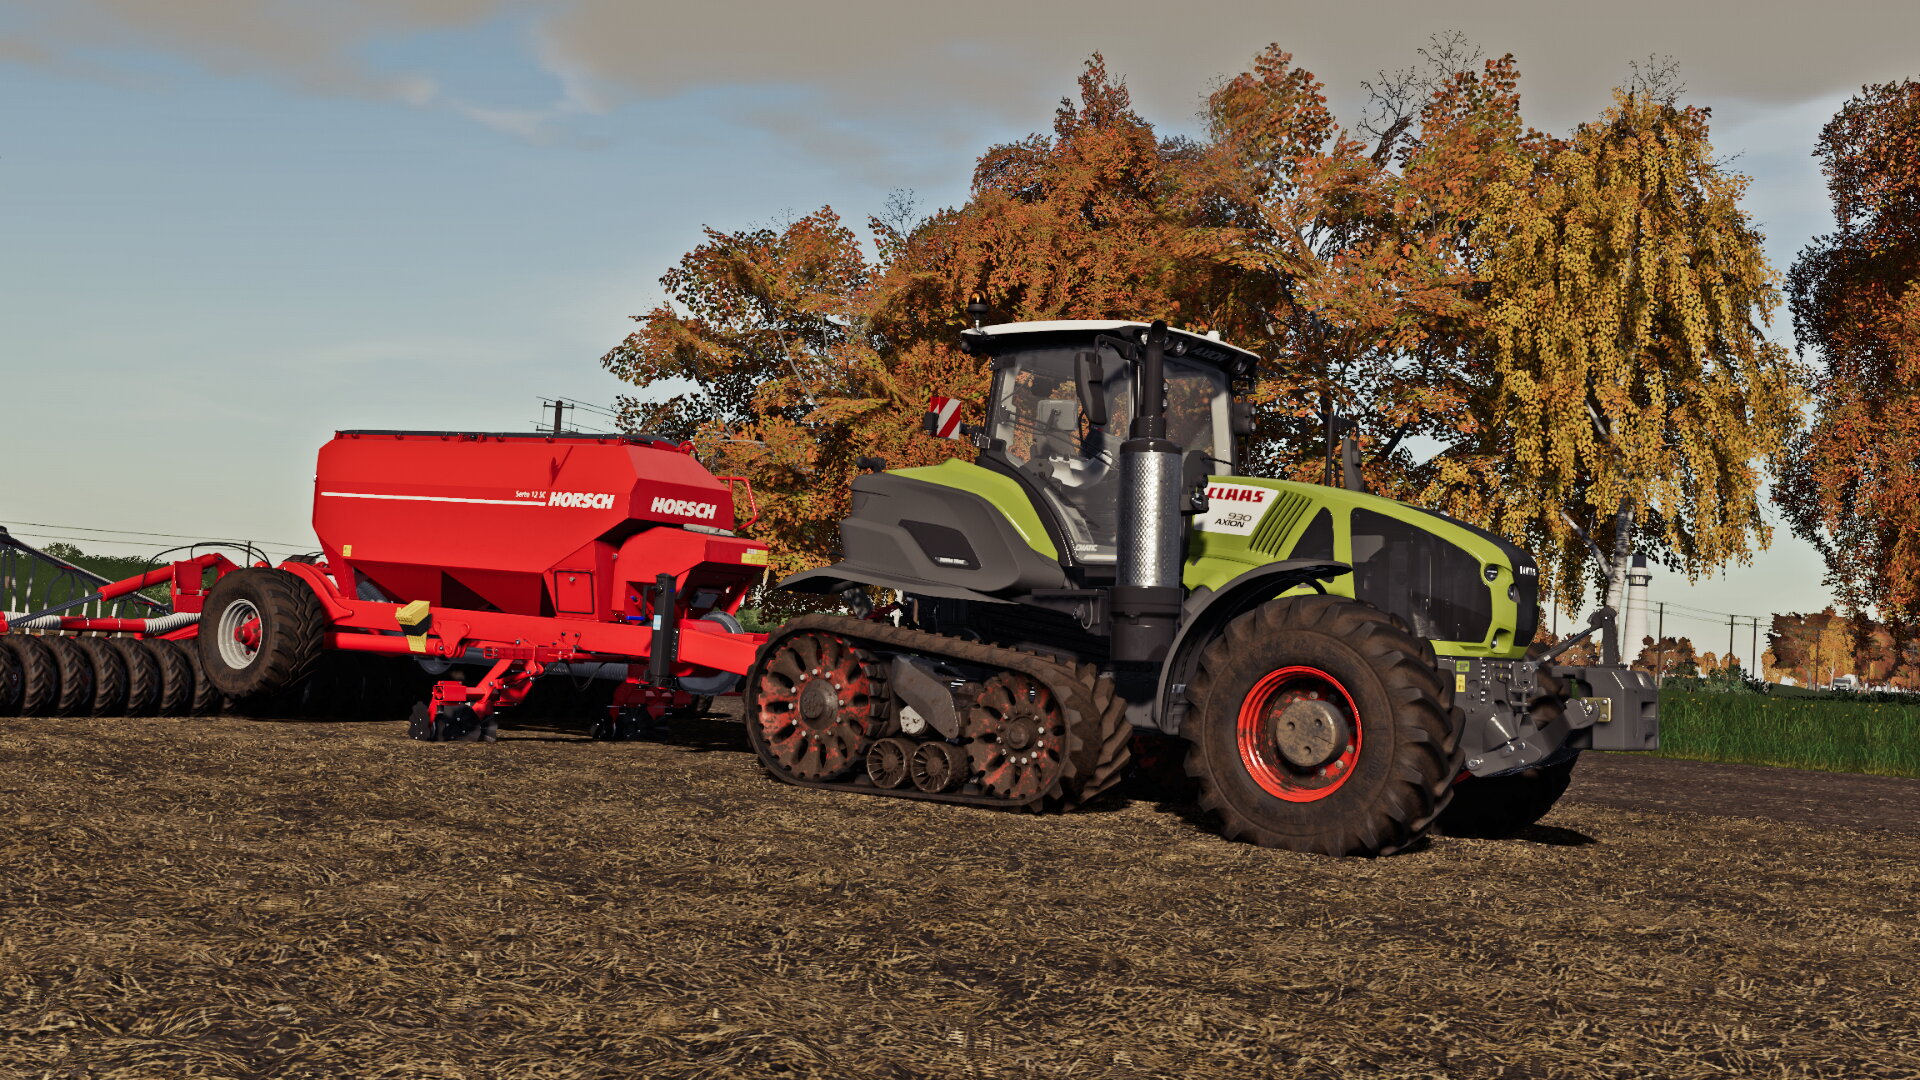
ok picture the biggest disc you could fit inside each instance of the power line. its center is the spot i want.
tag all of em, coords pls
(590, 407)
(559, 405)
(146, 546)
(139, 532)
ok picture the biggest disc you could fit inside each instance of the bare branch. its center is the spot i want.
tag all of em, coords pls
(1657, 79)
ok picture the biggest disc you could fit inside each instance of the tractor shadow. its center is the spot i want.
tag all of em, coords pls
(1552, 836)
(714, 732)
(1173, 793)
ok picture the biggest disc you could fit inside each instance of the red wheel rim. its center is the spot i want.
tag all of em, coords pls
(1259, 748)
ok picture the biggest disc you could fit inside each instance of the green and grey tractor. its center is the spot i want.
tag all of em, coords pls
(1340, 672)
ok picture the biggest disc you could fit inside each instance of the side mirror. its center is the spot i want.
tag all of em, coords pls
(1240, 418)
(1194, 470)
(1089, 381)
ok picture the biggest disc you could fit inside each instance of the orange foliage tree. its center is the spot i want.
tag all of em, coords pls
(787, 374)
(1854, 487)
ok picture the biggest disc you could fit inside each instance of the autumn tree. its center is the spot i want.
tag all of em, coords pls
(1580, 321)
(1573, 320)
(1668, 656)
(1359, 242)
(1099, 220)
(1815, 647)
(1853, 489)
(784, 374)
(804, 354)
(1626, 296)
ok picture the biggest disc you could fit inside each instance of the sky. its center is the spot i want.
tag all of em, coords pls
(231, 227)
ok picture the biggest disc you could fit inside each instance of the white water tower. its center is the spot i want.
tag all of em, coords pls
(1634, 619)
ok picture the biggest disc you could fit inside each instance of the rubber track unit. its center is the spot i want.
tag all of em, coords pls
(39, 674)
(1416, 783)
(1098, 735)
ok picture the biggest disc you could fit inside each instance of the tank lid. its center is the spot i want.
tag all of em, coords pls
(661, 441)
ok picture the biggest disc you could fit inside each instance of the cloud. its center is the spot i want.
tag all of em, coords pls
(311, 46)
(1007, 56)
(991, 62)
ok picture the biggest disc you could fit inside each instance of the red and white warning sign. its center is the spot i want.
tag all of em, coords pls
(944, 417)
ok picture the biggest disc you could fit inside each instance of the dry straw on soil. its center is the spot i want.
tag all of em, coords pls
(235, 899)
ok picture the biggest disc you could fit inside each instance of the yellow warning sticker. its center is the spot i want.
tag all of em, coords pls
(754, 557)
(346, 550)
(1459, 684)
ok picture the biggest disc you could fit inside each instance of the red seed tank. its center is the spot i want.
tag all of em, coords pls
(525, 524)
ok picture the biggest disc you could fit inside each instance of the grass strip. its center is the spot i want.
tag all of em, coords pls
(1836, 736)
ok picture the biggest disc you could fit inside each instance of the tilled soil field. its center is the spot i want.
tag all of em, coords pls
(232, 898)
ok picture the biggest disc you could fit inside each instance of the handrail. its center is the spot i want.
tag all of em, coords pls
(752, 504)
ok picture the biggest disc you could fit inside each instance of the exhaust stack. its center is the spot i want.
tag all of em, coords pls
(1152, 540)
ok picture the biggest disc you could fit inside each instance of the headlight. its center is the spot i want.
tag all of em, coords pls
(1513, 593)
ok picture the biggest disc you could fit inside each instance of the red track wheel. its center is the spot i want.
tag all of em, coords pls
(1017, 738)
(817, 709)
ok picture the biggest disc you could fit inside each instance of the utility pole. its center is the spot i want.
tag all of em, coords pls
(1660, 639)
(1728, 659)
(558, 407)
(1756, 670)
(1326, 413)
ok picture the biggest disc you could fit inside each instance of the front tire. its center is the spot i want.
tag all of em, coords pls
(1316, 724)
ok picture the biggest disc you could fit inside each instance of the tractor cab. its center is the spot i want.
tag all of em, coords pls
(1063, 396)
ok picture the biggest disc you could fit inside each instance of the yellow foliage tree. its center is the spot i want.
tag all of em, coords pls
(1625, 292)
